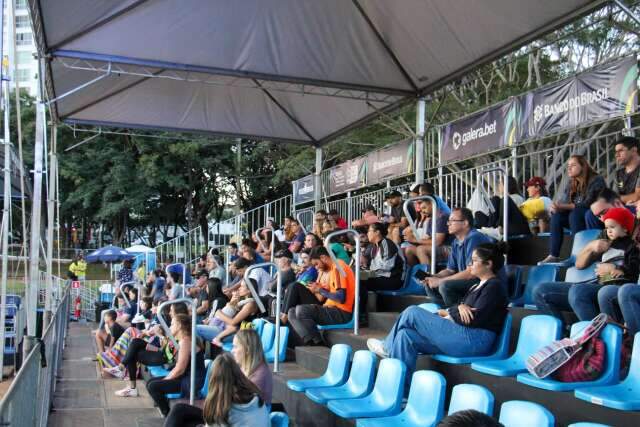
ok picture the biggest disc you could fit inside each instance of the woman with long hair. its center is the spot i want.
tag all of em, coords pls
(249, 354)
(583, 189)
(232, 401)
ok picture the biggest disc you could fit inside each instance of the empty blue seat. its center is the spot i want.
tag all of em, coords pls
(359, 384)
(535, 332)
(270, 355)
(411, 286)
(544, 273)
(158, 371)
(501, 348)
(347, 325)
(575, 275)
(205, 386)
(279, 419)
(612, 337)
(588, 425)
(385, 399)
(513, 274)
(580, 240)
(519, 413)
(430, 306)
(336, 373)
(471, 396)
(624, 396)
(267, 336)
(424, 405)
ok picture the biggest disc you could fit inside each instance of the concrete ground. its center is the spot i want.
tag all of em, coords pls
(82, 398)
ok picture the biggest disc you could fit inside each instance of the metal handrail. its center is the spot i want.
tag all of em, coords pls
(505, 195)
(298, 215)
(356, 303)
(188, 301)
(412, 224)
(276, 362)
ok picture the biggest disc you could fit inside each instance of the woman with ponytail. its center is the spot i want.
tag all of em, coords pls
(467, 329)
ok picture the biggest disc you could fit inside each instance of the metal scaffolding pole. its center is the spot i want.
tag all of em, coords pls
(419, 146)
(317, 181)
(5, 221)
(51, 206)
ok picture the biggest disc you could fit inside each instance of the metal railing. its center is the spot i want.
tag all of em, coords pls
(29, 397)
(184, 249)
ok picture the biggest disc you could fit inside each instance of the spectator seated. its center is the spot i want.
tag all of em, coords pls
(419, 411)
(518, 413)
(359, 384)
(471, 396)
(336, 374)
(612, 337)
(535, 332)
(580, 240)
(624, 396)
(501, 348)
(385, 399)
(544, 273)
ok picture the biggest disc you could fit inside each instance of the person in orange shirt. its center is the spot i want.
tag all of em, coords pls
(337, 293)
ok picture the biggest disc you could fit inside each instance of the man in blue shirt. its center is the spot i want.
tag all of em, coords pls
(450, 285)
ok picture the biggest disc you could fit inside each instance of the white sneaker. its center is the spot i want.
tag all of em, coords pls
(127, 392)
(115, 371)
(550, 258)
(377, 346)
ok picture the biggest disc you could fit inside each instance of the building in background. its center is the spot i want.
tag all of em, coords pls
(25, 47)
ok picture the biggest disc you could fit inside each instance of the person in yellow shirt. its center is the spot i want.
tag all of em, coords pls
(335, 298)
(78, 267)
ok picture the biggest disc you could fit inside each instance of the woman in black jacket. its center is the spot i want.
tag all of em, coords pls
(583, 189)
(468, 329)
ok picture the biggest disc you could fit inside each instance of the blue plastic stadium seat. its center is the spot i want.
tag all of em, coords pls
(279, 419)
(205, 386)
(514, 278)
(347, 325)
(106, 297)
(519, 413)
(360, 382)
(430, 306)
(624, 396)
(612, 337)
(282, 350)
(419, 411)
(535, 332)
(544, 273)
(258, 325)
(580, 240)
(471, 396)
(411, 285)
(575, 275)
(501, 348)
(588, 425)
(267, 337)
(385, 399)
(336, 373)
(158, 371)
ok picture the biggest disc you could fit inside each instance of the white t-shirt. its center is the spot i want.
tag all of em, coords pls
(262, 278)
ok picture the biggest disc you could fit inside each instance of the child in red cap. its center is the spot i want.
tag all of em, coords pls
(619, 262)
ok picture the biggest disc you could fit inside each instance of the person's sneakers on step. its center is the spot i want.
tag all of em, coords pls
(127, 392)
(377, 346)
(115, 371)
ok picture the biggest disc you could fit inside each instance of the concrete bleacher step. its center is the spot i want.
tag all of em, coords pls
(397, 303)
(383, 321)
(313, 358)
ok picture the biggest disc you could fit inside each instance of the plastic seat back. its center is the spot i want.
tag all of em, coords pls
(205, 386)
(430, 306)
(279, 419)
(389, 386)
(258, 325)
(544, 273)
(513, 273)
(581, 239)
(471, 396)
(363, 371)
(535, 332)
(282, 350)
(338, 366)
(588, 425)
(519, 413)
(423, 411)
(575, 276)
(267, 336)
(612, 337)
(411, 286)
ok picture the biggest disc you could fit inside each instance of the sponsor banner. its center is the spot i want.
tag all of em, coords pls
(348, 176)
(480, 132)
(606, 91)
(303, 190)
(390, 162)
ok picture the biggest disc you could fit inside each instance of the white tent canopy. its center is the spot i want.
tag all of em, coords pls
(140, 249)
(302, 71)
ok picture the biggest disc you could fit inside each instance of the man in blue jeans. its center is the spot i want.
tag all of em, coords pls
(622, 303)
(450, 285)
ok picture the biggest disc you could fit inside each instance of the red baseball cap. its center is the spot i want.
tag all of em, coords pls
(622, 216)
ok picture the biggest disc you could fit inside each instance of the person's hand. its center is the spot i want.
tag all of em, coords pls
(604, 268)
(314, 287)
(442, 313)
(616, 273)
(600, 245)
(432, 282)
(466, 313)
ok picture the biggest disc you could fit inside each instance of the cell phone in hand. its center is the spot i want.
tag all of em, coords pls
(421, 275)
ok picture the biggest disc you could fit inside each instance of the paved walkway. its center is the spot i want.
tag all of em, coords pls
(83, 398)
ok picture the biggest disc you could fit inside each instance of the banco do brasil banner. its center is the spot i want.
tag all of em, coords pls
(606, 91)
(480, 132)
(390, 162)
(303, 190)
(347, 176)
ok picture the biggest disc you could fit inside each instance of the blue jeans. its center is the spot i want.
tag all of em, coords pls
(574, 220)
(608, 302)
(420, 331)
(583, 298)
(626, 300)
(208, 333)
(552, 298)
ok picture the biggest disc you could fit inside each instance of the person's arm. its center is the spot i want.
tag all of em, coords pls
(204, 307)
(246, 311)
(340, 295)
(594, 188)
(184, 354)
(591, 252)
(628, 199)
(491, 298)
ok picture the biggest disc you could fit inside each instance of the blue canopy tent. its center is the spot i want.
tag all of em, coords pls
(109, 254)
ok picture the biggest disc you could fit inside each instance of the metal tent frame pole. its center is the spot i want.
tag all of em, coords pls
(51, 200)
(317, 179)
(5, 221)
(419, 145)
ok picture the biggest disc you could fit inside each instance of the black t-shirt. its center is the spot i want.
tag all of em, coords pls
(397, 213)
(626, 183)
(115, 331)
